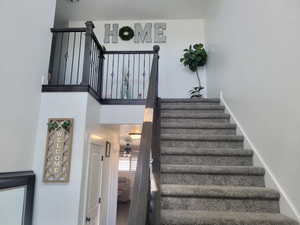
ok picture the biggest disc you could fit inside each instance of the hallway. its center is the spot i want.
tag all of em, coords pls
(122, 214)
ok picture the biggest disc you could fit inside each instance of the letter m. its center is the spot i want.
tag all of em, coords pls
(143, 35)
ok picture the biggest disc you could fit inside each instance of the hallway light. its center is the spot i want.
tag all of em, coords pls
(95, 137)
(135, 135)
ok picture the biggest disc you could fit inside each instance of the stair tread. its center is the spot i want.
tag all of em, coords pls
(176, 100)
(192, 107)
(204, 167)
(220, 170)
(196, 115)
(200, 126)
(184, 217)
(205, 152)
(212, 191)
(195, 137)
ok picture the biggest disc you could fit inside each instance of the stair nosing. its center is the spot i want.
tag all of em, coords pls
(214, 191)
(200, 217)
(198, 116)
(216, 126)
(215, 152)
(193, 137)
(185, 100)
(212, 170)
(193, 107)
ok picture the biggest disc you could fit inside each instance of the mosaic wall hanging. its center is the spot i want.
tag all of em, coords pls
(58, 151)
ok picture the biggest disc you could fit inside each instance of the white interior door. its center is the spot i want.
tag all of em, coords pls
(96, 158)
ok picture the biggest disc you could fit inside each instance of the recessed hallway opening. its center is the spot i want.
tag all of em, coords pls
(128, 154)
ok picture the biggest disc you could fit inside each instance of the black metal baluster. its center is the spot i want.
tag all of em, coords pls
(78, 66)
(60, 54)
(139, 72)
(66, 58)
(144, 75)
(96, 66)
(133, 76)
(149, 71)
(97, 69)
(91, 66)
(52, 76)
(112, 76)
(74, 42)
(100, 73)
(117, 77)
(122, 82)
(107, 76)
(128, 77)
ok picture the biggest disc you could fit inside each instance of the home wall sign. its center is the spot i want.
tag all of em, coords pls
(149, 33)
(58, 151)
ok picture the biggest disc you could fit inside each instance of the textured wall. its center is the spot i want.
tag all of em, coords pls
(24, 57)
(254, 57)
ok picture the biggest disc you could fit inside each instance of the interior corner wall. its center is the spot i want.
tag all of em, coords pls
(254, 53)
(25, 48)
(64, 204)
(57, 203)
(109, 187)
(174, 79)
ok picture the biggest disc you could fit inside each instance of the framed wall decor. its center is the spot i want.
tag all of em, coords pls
(107, 149)
(58, 150)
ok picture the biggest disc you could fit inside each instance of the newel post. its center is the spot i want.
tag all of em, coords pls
(156, 49)
(100, 72)
(87, 53)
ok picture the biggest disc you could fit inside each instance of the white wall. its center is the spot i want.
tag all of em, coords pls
(25, 46)
(122, 114)
(60, 203)
(63, 204)
(254, 57)
(174, 80)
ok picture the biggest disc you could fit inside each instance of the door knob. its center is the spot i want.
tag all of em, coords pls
(88, 219)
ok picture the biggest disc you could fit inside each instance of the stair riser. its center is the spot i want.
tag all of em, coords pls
(197, 121)
(220, 204)
(198, 131)
(166, 112)
(207, 160)
(212, 179)
(202, 144)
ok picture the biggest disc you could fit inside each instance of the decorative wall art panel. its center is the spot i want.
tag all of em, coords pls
(58, 151)
(147, 33)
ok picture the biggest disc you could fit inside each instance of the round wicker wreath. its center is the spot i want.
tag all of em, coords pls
(126, 33)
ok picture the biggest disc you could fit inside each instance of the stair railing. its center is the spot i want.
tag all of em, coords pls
(145, 202)
(78, 62)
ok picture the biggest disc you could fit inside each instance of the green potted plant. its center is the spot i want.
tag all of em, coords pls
(195, 56)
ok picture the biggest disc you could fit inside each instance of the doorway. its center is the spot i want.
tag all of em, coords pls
(94, 184)
(128, 154)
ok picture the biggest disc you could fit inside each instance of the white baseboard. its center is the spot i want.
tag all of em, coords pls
(286, 205)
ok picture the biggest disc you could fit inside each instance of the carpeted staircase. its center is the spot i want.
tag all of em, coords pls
(207, 178)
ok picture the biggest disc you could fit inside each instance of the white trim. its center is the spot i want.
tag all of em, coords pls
(286, 204)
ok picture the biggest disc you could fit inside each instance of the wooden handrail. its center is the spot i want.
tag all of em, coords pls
(130, 52)
(146, 183)
(68, 29)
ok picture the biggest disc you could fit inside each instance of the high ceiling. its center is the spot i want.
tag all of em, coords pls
(128, 9)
